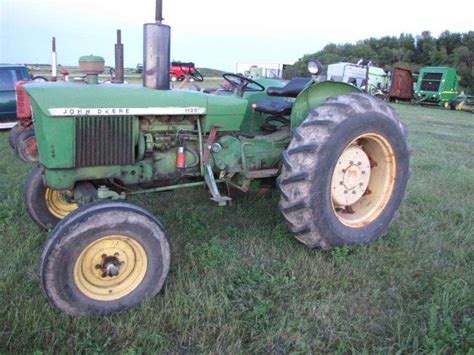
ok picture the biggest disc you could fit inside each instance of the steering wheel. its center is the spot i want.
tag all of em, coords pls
(241, 83)
(197, 76)
(193, 73)
(39, 78)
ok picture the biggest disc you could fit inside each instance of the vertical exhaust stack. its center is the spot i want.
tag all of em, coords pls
(156, 52)
(54, 61)
(119, 67)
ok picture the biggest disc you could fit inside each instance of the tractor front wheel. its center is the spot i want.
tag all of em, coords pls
(105, 257)
(45, 206)
(13, 135)
(345, 172)
(26, 148)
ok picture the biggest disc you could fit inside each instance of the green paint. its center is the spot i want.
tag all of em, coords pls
(55, 138)
(314, 95)
(156, 138)
(241, 154)
(91, 58)
(168, 188)
(437, 85)
(62, 179)
(79, 95)
(224, 111)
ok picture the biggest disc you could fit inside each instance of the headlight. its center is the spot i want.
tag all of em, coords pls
(314, 67)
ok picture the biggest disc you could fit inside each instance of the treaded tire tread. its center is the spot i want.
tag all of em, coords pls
(57, 239)
(34, 199)
(13, 135)
(317, 131)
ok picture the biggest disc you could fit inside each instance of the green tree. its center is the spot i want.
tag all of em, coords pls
(451, 49)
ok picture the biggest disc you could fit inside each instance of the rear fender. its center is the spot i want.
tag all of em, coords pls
(315, 95)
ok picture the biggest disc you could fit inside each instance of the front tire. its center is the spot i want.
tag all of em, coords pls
(13, 135)
(26, 148)
(345, 172)
(44, 205)
(103, 258)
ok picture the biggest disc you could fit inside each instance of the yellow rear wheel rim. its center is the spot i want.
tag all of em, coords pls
(363, 180)
(57, 203)
(110, 268)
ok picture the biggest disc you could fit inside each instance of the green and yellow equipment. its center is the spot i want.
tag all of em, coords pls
(437, 86)
(339, 158)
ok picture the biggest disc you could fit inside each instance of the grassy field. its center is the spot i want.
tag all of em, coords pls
(239, 283)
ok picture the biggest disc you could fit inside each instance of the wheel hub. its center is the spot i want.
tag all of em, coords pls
(58, 204)
(351, 176)
(110, 268)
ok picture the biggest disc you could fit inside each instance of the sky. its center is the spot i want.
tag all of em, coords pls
(213, 33)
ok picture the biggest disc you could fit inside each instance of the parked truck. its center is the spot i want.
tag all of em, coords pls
(10, 74)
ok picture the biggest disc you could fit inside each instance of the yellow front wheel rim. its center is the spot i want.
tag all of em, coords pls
(363, 180)
(57, 203)
(110, 268)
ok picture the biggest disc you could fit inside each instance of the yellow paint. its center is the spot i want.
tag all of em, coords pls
(450, 92)
(57, 203)
(365, 207)
(351, 176)
(89, 277)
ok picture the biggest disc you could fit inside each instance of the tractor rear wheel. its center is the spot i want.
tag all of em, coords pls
(45, 206)
(345, 172)
(104, 257)
(26, 148)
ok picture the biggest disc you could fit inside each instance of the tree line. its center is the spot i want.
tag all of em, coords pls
(449, 49)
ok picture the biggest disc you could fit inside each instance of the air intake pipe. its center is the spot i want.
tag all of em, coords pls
(119, 67)
(156, 52)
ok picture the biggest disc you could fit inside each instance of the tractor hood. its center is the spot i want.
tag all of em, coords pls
(78, 99)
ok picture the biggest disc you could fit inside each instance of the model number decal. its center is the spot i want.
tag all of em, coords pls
(125, 111)
(194, 110)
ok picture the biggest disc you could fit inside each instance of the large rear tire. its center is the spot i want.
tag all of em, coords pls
(104, 257)
(345, 172)
(44, 205)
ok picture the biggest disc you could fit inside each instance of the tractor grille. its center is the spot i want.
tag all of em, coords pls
(104, 140)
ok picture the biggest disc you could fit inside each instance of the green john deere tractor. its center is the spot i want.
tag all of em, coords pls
(339, 157)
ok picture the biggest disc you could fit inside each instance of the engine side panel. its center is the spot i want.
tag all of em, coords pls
(227, 112)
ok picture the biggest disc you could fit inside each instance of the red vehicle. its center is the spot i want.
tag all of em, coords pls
(179, 71)
(22, 136)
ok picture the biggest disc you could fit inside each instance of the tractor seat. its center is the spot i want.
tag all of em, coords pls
(210, 90)
(273, 107)
(291, 89)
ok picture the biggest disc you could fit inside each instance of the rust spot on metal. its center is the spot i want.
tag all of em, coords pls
(210, 140)
(373, 163)
(348, 209)
(402, 84)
